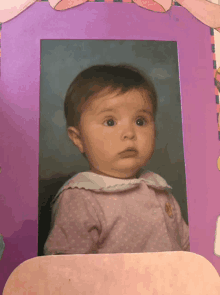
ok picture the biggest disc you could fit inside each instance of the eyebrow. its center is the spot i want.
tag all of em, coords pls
(105, 110)
(145, 111)
(113, 110)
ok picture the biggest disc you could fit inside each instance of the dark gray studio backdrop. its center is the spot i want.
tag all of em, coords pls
(61, 61)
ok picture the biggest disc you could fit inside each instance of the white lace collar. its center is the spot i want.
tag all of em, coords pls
(99, 183)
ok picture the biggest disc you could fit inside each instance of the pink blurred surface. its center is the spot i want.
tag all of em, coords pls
(131, 274)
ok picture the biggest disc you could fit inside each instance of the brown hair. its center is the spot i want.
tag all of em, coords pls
(92, 81)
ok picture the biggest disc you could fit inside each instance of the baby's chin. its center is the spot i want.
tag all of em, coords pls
(123, 173)
(129, 171)
(123, 169)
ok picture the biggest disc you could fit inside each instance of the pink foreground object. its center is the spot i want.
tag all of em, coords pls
(148, 273)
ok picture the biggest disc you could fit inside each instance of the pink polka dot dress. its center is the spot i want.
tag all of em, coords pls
(99, 214)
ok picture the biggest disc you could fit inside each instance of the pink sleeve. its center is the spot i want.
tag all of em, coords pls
(76, 226)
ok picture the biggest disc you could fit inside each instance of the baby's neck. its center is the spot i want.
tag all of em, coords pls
(109, 175)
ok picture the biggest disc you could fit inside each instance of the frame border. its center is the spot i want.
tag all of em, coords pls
(20, 92)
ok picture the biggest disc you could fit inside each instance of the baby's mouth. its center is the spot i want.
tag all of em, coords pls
(129, 153)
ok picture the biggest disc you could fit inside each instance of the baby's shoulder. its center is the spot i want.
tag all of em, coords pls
(73, 185)
(163, 190)
(156, 181)
(71, 194)
(68, 198)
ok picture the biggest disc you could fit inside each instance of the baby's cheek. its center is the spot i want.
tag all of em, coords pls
(149, 135)
(109, 140)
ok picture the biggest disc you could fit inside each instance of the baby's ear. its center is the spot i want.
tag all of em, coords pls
(74, 135)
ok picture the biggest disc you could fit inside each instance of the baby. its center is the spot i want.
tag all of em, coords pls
(110, 113)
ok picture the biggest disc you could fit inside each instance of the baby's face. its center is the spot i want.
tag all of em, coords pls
(117, 133)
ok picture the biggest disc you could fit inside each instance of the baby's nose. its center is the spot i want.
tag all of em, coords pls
(128, 132)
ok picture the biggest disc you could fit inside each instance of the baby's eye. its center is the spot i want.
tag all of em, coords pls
(140, 122)
(109, 122)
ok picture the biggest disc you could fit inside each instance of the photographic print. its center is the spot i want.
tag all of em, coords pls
(61, 62)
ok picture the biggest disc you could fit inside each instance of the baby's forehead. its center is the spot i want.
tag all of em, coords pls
(132, 100)
(117, 96)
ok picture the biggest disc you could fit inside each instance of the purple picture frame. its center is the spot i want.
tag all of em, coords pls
(19, 112)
